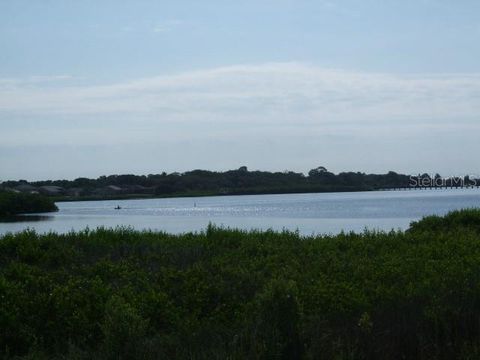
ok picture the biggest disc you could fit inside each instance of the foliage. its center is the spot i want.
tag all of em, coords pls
(469, 218)
(230, 294)
(233, 182)
(16, 203)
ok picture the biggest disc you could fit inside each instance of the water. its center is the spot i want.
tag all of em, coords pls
(307, 213)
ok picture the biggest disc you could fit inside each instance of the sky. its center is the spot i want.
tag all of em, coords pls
(90, 88)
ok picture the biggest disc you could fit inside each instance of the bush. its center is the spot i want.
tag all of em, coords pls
(123, 330)
(123, 294)
(16, 203)
(459, 219)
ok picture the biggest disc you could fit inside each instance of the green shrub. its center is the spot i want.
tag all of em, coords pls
(123, 330)
(230, 294)
(277, 330)
(459, 219)
(12, 203)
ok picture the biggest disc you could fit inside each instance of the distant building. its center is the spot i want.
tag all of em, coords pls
(109, 190)
(51, 190)
(138, 189)
(114, 188)
(10, 189)
(27, 188)
(74, 192)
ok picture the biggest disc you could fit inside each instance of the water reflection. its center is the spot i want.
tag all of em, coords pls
(25, 218)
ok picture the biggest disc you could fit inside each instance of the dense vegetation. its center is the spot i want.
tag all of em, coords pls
(227, 294)
(240, 181)
(14, 203)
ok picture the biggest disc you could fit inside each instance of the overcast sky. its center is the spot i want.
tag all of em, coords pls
(90, 88)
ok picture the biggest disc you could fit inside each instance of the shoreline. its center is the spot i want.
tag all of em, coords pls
(214, 194)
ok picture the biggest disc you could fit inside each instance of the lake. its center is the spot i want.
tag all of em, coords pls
(307, 213)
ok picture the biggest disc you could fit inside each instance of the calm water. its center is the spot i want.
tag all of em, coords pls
(309, 213)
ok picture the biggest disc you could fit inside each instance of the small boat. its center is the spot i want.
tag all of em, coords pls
(118, 207)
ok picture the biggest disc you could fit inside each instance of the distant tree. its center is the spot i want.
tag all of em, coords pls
(317, 171)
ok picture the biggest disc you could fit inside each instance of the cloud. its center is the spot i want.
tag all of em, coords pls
(33, 80)
(272, 91)
(272, 115)
(272, 99)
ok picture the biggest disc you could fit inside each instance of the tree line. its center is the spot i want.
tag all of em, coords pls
(239, 181)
